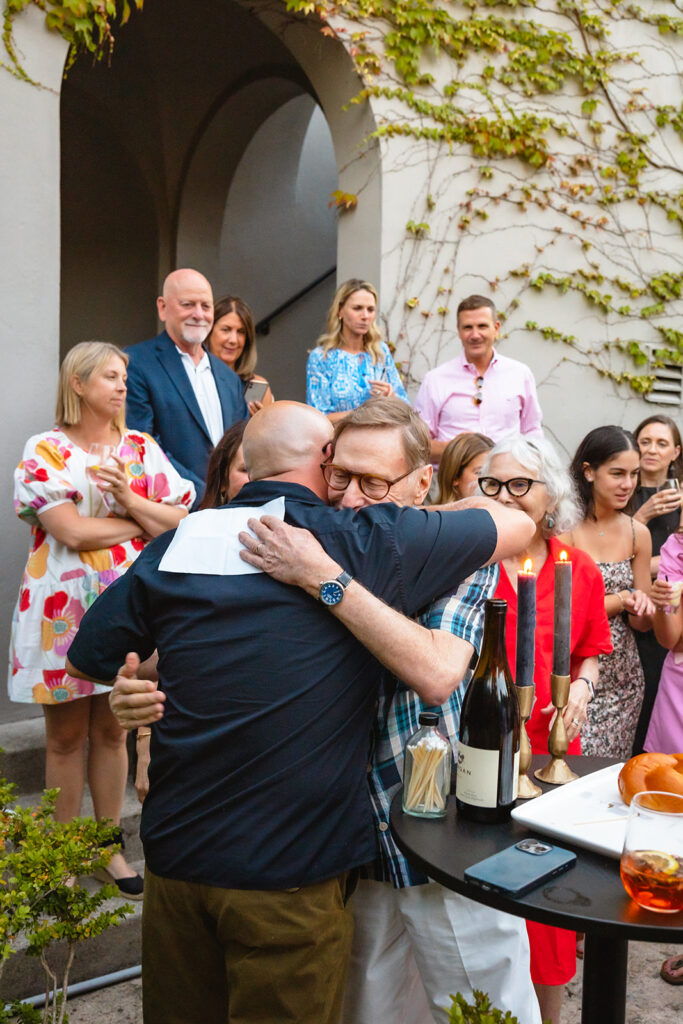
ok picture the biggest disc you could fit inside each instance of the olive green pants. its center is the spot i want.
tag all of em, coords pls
(242, 956)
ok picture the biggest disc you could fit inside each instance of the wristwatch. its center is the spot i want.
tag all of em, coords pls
(332, 591)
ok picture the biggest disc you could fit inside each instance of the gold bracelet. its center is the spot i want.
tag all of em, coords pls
(617, 593)
(143, 734)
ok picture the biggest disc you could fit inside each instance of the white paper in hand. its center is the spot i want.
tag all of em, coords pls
(206, 542)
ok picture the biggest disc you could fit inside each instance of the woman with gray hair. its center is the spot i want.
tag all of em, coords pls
(529, 475)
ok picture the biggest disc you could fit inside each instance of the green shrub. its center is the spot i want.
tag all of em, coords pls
(39, 859)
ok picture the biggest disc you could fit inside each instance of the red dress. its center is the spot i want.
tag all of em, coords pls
(553, 950)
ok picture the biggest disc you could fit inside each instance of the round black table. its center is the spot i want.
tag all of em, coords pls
(588, 898)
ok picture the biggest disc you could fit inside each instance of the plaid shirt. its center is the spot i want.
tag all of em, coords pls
(398, 718)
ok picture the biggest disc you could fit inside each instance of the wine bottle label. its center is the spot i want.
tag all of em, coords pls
(477, 779)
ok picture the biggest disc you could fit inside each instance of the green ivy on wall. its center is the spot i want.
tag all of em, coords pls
(551, 102)
(87, 25)
(512, 61)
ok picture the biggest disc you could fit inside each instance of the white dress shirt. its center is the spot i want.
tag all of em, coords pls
(206, 393)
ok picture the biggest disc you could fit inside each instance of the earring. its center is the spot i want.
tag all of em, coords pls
(549, 522)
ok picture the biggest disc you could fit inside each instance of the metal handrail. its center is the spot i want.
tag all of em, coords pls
(263, 326)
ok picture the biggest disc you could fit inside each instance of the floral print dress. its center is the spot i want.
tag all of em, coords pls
(60, 584)
(613, 714)
(339, 381)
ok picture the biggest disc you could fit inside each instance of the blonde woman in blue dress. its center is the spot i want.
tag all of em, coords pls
(351, 363)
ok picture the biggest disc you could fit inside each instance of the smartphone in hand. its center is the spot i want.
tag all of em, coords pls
(255, 391)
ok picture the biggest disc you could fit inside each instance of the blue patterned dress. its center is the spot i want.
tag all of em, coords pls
(340, 381)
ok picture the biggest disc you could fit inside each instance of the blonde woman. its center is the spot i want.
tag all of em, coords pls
(460, 465)
(91, 511)
(351, 363)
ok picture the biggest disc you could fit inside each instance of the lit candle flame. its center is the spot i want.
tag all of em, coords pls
(563, 556)
(528, 565)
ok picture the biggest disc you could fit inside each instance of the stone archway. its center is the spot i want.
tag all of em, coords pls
(255, 216)
(136, 139)
(136, 124)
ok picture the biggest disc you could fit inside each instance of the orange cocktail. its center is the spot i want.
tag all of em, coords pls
(652, 861)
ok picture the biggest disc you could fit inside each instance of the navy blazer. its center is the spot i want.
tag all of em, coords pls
(161, 402)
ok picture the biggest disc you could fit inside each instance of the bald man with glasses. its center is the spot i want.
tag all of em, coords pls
(258, 807)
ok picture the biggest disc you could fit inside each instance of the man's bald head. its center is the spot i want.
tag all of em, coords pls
(186, 307)
(287, 438)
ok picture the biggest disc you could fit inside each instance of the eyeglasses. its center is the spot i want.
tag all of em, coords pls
(478, 397)
(517, 487)
(373, 487)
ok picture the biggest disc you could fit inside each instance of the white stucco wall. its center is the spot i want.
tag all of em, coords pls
(426, 182)
(29, 307)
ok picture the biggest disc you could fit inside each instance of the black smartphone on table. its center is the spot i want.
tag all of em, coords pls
(521, 868)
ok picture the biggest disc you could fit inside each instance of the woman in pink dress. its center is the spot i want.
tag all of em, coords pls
(665, 733)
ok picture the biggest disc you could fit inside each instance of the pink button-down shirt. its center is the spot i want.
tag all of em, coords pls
(509, 403)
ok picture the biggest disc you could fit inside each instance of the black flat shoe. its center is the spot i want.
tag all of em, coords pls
(130, 887)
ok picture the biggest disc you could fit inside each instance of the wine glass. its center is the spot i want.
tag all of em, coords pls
(652, 861)
(98, 455)
(670, 484)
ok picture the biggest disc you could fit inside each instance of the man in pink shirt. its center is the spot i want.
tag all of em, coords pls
(480, 390)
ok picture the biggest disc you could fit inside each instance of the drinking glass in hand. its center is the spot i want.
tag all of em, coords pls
(98, 455)
(670, 484)
(652, 861)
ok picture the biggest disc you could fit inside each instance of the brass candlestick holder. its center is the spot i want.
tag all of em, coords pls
(557, 771)
(527, 789)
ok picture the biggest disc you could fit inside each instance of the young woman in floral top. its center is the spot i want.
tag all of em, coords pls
(88, 524)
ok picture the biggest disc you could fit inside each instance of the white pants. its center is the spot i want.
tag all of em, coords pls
(413, 947)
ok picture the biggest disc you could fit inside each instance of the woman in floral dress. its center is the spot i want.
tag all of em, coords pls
(605, 471)
(88, 524)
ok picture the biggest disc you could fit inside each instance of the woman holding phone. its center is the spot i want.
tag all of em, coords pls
(351, 363)
(233, 340)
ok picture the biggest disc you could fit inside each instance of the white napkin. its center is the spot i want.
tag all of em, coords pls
(206, 542)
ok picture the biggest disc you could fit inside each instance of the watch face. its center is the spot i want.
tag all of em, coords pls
(331, 592)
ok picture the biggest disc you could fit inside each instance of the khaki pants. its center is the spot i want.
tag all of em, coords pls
(241, 956)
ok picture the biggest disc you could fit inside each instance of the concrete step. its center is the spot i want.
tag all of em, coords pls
(22, 754)
(23, 759)
(118, 947)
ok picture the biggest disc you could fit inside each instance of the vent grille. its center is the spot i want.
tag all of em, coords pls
(668, 387)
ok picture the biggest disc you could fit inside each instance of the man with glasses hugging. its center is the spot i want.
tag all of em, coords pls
(259, 763)
(414, 941)
(480, 390)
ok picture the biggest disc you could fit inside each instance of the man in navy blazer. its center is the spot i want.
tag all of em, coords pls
(180, 394)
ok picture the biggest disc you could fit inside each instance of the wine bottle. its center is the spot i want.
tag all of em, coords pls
(488, 750)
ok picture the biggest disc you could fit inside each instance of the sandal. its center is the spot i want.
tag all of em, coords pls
(131, 887)
(672, 970)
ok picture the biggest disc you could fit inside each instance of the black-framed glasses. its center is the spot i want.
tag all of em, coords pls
(516, 486)
(478, 396)
(373, 487)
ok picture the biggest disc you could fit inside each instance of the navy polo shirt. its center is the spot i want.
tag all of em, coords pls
(258, 775)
